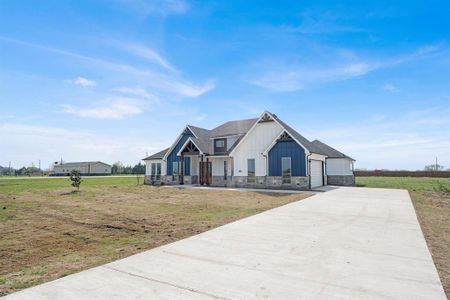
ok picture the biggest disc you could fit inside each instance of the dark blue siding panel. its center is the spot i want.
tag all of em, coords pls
(187, 166)
(173, 156)
(287, 149)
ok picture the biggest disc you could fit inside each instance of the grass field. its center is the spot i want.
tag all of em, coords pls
(431, 199)
(49, 231)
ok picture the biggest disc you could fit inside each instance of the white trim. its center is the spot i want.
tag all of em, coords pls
(290, 169)
(245, 135)
(274, 142)
(275, 120)
(192, 131)
(150, 159)
(292, 136)
(176, 142)
(185, 144)
(225, 136)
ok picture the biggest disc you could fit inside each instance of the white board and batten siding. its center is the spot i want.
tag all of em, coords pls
(339, 166)
(217, 165)
(253, 145)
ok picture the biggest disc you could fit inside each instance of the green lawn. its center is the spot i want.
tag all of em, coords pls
(412, 184)
(24, 184)
(431, 199)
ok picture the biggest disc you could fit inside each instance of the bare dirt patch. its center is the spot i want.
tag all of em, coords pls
(433, 211)
(50, 233)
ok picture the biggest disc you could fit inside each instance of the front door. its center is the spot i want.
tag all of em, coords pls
(205, 171)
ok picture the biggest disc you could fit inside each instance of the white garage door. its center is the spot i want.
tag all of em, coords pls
(316, 173)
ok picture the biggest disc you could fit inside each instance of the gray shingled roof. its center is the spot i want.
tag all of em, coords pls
(300, 138)
(329, 151)
(202, 139)
(80, 163)
(240, 127)
(157, 155)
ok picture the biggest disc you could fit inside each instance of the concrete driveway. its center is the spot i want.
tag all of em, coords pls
(349, 243)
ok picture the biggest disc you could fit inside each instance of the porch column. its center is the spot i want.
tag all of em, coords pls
(200, 171)
(182, 169)
(207, 171)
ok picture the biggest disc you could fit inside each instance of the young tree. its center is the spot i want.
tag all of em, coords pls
(139, 169)
(434, 167)
(76, 179)
(117, 168)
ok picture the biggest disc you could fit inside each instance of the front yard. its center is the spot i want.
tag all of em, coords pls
(48, 231)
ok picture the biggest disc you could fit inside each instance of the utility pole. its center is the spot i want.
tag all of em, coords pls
(436, 165)
(9, 168)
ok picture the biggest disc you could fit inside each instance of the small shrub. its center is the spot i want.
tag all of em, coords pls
(75, 177)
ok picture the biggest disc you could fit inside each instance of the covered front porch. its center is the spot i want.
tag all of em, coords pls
(193, 166)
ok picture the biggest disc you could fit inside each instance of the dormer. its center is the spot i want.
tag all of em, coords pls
(220, 145)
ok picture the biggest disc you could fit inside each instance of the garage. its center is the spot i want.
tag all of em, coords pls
(316, 173)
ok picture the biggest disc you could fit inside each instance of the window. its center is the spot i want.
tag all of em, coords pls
(158, 171)
(251, 178)
(286, 169)
(175, 170)
(225, 170)
(220, 143)
(153, 172)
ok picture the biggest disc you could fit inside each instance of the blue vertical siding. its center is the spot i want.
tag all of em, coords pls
(287, 149)
(187, 166)
(173, 155)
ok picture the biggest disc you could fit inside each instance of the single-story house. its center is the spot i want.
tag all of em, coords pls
(86, 168)
(258, 153)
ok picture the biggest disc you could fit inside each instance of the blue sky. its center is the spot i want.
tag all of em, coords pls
(114, 80)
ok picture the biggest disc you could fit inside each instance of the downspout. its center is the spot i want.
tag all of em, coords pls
(309, 169)
(267, 169)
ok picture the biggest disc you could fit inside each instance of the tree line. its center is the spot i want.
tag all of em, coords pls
(118, 168)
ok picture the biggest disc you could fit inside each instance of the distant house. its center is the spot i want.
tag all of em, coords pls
(86, 168)
(258, 153)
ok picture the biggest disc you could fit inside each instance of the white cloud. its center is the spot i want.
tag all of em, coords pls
(189, 90)
(81, 81)
(149, 54)
(288, 80)
(288, 77)
(407, 141)
(390, 88)
(114, 109)
(49, 144)
(137, 91)
(168, 84)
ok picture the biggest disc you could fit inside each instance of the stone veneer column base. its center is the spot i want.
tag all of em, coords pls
(343, 180)
(272, 182)
(261, 182)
